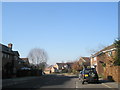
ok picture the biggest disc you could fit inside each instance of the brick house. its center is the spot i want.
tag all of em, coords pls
(69, 66)
(47, 70)
(104, 56)
(84, 61)
(10, 60)
(104, 63)
(59, 67)
(25, 62)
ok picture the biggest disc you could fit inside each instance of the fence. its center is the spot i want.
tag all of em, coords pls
(23, 73)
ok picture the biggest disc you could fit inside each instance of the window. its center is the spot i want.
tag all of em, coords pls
(4, 55)
(19, 63)
(110, 53)
(15, 57)
(95, 58)
(8, 56)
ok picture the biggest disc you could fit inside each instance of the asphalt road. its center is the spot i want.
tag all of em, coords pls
(49, 81)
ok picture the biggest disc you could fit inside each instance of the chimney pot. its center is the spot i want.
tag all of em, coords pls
(10, 45)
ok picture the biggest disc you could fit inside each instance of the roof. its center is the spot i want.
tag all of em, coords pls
(47, 68)
(61, 64)
(6, 49)
(86, 59)
(50, 66)
(54, 67)
(106, 48)
(69, 64)
(20, 60)
(26, 59)
(16, 53)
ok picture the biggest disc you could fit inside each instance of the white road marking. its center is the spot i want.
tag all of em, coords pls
(76, 84)
(107, 86)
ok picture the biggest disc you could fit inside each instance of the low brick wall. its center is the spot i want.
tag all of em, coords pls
(112, 73)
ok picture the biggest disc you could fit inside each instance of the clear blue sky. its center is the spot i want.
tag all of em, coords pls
(65, 31)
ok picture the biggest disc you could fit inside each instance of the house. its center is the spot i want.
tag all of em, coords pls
(25, 62)
(84, 61)
(93, 61)
(69, 64)
(10, 60)
(48, 69)
(54, 70)
(59, 67)
(102, 57)
(104, 60)
(69, 68)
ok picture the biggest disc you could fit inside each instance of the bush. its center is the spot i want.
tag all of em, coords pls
(64, 71)
(117, 57)
(33, 72)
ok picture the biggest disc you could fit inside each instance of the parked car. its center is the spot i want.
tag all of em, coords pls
(89, 75)
(25, 68)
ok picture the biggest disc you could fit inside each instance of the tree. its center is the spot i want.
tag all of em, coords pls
(98, 48)
(38, 57)
(76, 66)
(117, 56)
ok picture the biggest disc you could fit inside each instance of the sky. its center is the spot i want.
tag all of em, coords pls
(65, 30)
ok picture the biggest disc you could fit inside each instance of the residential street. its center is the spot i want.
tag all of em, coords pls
(49, 81)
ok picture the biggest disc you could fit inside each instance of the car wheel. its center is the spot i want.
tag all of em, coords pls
(97, 82)
(82, 82)
(88, 82)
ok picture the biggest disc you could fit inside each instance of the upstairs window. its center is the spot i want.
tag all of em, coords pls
(110, 53)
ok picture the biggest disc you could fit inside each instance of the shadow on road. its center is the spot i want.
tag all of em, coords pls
(105, 81)
(99, 82)
(45, 81)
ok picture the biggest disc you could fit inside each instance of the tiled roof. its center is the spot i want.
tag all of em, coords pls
(106, 48)
(85, 59)
(54, 67)
(6, 49)
(69, 64)
(16, 53)
(61, 64)
(24, 59)
(47, 68)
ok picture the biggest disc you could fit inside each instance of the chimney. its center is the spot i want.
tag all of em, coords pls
(10, 45)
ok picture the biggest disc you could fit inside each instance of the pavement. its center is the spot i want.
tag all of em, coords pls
(110, 84)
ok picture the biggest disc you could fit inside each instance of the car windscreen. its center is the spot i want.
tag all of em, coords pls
(86, 71)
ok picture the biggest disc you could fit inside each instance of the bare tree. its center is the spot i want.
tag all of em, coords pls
(37, 57)
(98, 48)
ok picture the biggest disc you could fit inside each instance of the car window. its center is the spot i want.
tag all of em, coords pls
(86, 71)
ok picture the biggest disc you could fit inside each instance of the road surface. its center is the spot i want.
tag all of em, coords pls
(49, 81)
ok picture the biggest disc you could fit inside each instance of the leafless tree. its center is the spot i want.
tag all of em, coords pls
(37, 57)
(98, 48)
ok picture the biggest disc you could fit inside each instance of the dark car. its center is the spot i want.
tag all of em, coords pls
(89, 75)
